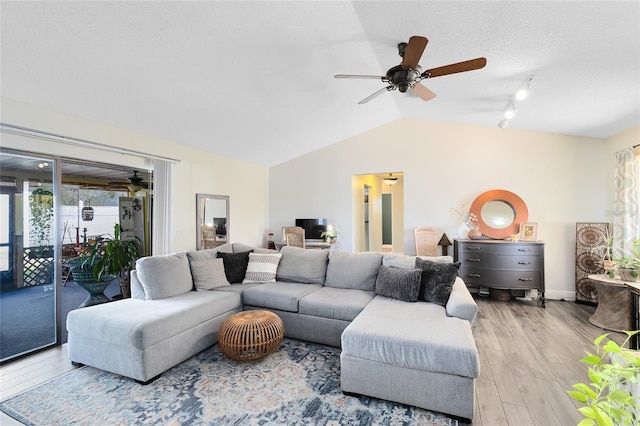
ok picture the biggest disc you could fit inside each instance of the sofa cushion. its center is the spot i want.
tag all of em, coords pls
(437, 280)
(335, 303)
(401, 284)
(412, 335)
(283, 296)
(164, 276)
(353, 270)
(409, 262)
(235, 265)
(302, 266)
(143, 323)
(262, 268)
(208, 274)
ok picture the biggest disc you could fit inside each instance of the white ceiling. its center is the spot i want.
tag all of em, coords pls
(254, 80)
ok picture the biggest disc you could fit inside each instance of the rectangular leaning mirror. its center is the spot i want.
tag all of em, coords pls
(212, 220)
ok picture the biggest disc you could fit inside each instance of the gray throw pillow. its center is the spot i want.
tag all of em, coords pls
(437, 280)
(401, 284)
(235, 265)
(208, 274)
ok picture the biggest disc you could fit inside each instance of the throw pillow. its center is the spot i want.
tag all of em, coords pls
(437, 280)
(401, 284)
(235, 265)
(262, 268)
(208, 274)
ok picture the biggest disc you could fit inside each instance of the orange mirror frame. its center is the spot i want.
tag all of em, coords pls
(521, 213)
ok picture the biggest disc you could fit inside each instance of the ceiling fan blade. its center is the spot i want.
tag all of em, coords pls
(375, 94)
(377, 77)
(413, 52)
(422, 92)
(472, 64)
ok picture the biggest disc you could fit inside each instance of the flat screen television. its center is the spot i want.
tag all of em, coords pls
(313, 228)
(221, 225)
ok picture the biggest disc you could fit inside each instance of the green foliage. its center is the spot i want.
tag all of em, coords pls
(41, 218)
(632, 262)
(606, 403)
(111, 255)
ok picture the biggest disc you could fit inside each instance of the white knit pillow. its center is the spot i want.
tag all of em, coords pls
(262, 268)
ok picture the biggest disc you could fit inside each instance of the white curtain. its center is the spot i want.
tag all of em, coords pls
(162, 207)
(626, 221)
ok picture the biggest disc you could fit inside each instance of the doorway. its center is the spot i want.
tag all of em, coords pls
(49, 209)
(367, 216)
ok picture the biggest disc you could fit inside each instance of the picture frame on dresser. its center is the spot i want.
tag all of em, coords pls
(528, 231)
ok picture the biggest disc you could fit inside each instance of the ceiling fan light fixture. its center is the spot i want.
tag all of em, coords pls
(390, 180)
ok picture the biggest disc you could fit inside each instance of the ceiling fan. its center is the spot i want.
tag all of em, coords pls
(406, 77)
(135, 183)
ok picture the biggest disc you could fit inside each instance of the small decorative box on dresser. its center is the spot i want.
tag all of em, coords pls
(501, 265)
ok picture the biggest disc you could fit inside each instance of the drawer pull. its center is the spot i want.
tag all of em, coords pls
(473, 259)
(474, 275)
(525, 262)
(473, 248)
(525, 279)
(525, 249)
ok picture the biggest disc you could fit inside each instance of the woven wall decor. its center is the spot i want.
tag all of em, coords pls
(588, 236)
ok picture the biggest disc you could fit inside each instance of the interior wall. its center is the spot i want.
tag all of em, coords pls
(563, 180)
(197, 172)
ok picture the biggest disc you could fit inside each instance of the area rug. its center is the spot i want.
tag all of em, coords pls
(299, 384)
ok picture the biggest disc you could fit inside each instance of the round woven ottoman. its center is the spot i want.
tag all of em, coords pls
(250, 335)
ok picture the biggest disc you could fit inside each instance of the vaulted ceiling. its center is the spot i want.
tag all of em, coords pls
(254, 80)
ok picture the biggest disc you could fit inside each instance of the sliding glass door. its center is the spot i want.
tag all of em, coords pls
(28, 254)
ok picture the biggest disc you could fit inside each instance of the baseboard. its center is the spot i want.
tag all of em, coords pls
(569, 296)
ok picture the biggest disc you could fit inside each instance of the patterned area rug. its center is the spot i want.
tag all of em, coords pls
(297, 385)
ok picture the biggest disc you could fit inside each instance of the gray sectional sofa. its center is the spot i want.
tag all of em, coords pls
(394, 346)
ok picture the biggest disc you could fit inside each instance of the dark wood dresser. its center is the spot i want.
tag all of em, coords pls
(500, 264)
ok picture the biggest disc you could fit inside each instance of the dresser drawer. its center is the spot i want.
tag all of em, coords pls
(487, 260)
(501, 278)
(502, 249)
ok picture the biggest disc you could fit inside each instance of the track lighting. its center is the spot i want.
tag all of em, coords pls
(510, 112)
(524, 93)
(520, 95)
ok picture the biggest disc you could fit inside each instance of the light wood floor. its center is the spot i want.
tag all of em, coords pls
(529, 357)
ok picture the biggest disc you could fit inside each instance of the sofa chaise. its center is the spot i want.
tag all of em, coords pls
(395, 345)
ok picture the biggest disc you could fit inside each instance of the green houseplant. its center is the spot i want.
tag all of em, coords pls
(606, 399)
(111, 255)
(629, 267)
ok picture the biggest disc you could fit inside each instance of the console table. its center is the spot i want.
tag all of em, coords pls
(311, 245)
(614, 302)
(501, 264)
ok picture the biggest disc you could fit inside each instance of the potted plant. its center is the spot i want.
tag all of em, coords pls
(111, 255)
(82, 268)
(605, 252)
(629, 267)
(607, 399)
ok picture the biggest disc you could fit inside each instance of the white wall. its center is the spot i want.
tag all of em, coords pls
(198, 171)
(563, 180)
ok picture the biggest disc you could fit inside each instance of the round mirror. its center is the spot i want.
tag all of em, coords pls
(499, 213)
